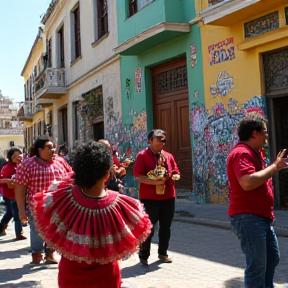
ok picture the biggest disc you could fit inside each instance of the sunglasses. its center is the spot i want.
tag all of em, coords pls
(161, 140)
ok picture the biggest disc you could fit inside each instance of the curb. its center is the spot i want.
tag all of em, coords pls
(280, 232)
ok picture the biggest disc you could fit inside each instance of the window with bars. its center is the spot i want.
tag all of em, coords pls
(76, 35)
(137, 5)
(60, 36)
(100, 18)
(49, 53)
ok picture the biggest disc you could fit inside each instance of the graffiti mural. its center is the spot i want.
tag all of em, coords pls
(224, 84)
(221, 51)
(215, 134)
(130, 137)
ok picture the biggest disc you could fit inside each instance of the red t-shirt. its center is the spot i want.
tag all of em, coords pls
(146, 160)
(7, 171)
(241, 161)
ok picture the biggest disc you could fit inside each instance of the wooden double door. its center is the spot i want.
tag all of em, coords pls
(171, 113)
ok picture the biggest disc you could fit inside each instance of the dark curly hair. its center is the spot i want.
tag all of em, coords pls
(252, 121)
(92, 161)
(11, 152)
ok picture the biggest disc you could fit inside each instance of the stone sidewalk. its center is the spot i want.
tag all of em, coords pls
(204, 256)
(214, 215)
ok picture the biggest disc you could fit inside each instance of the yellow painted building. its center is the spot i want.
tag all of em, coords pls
(245, 68)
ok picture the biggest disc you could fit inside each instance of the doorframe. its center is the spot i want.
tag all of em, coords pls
(162, 67)
(272, 139)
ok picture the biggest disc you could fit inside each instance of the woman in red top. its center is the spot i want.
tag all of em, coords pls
(89, 226)
(6, 183)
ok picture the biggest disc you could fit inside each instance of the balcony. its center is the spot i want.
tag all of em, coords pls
(50, 85)
(229, 12)
(156, 23)
(26, 112)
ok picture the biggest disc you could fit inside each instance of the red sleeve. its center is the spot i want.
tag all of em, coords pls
(139, 166)
(116, 161)
(243, 165)
(7, 171)
(175, 169)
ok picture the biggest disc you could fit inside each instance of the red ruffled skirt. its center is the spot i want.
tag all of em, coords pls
(88, 230)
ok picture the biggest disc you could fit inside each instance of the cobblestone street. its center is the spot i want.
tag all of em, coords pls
(202, 257)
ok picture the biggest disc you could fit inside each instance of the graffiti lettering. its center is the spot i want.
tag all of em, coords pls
(221, 51)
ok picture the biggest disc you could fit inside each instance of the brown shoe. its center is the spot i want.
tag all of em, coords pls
(20, 237)
(165, 258)
(36, 259)
(49, 258)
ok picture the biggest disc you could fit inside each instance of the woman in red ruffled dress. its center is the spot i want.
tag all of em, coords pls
(89, 226)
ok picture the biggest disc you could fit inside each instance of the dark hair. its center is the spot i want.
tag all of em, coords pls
(63, 150)
(40, 143)
(252, 121)
(11, 152)
(92, 161)
(155, 133)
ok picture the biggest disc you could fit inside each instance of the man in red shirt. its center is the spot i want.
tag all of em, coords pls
(251, 201)
(160, 207)
(37, 174)
(6, 183)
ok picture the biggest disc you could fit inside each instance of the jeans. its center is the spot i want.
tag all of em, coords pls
(162, 211)
(11, 212)
(260, 246)
(36, 242)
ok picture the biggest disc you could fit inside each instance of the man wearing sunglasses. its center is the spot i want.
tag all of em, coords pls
(160, 207)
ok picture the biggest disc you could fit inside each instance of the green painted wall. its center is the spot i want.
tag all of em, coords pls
(161, 53)
(159, 11)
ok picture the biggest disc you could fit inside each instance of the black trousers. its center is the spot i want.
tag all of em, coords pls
(161, 211)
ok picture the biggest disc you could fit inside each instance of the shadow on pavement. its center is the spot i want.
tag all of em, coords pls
(234, 283)
(23, 284)
(212, 244)
(7, 241)
(14, 254)
(14, 274)
(128, 272)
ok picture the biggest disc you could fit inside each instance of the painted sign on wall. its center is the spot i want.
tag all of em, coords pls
(193, 55)
(221, 51)
(138, 76)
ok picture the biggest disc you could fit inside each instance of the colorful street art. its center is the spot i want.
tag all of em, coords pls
(221, 51)
(123, 137)
(224, 84)
(193, 55)
(214, 135)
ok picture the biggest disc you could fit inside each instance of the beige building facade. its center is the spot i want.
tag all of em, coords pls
(72, 75)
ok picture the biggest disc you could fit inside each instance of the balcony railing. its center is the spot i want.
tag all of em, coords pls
(10, 131)
(27, 110)
(51, 77)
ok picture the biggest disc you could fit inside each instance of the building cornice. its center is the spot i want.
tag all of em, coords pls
(159, 28)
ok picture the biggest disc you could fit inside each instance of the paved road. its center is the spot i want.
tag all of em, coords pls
(203, 257)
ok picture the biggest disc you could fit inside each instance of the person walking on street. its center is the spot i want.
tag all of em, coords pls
(95, 227)
(114, 182)
(34, 175)
(6, 182)
(155, 170)
(251, 201)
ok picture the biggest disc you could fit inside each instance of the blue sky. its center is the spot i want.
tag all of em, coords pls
(19, 22)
